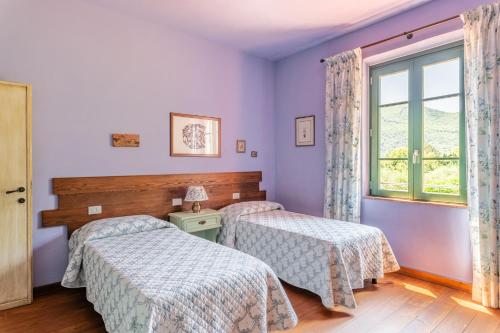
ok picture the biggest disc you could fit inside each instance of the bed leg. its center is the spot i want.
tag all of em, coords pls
(374, 281)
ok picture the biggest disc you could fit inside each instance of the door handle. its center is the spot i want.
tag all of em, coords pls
(19, 189)
(21, 200)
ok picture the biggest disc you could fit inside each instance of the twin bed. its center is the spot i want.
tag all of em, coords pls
(327, 257)
(144, 275)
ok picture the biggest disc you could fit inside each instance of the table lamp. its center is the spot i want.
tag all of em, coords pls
(196, 194)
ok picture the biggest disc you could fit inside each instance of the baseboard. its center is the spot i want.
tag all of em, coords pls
(46, 289)
(437, 279)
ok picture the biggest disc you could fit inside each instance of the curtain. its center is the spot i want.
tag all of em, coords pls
(343, 131)
(482, 102)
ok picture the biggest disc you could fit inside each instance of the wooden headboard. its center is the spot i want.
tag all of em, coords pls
(152, 195)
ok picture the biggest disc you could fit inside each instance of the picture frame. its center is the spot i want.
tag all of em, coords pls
(194, 136)
(241, 146)
(305, 131)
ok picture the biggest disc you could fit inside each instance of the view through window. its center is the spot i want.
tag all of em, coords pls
(417, 127)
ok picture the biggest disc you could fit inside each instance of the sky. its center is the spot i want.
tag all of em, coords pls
(439, 79)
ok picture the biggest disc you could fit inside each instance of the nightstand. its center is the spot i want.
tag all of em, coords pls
(204, 224)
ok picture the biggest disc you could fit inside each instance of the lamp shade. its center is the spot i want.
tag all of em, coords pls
(196, 193)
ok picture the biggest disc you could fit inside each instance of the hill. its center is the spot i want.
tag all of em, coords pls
(441, 130)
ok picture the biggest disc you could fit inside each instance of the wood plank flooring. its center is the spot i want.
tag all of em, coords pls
(397, 304)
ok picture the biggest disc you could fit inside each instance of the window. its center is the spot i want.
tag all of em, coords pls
(418, 127)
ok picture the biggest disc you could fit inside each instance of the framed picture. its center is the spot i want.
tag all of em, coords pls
(304, 131)
(241, 146)
(192, 135)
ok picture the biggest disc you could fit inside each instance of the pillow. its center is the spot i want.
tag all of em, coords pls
(116, 226)
(230, 215)
(252, 207)
(103, 228)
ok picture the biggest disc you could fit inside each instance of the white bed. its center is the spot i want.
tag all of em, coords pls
(144, 275)
(327, 257)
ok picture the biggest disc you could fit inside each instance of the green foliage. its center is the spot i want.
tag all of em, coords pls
(440, 176)
(443, 178)
(441, 130)
(394, 175)
(441, 135)
(400, 152)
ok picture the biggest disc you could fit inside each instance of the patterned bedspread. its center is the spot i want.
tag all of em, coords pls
(148, 276)
(327, 257)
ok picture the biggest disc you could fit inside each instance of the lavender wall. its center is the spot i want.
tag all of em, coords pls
(425, 237)
(95, 72)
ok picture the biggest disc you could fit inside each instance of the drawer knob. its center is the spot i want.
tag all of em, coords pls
(202, 222)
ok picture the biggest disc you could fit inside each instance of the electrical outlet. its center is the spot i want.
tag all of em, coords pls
(236, 196)
(93, 210)
(177, 202)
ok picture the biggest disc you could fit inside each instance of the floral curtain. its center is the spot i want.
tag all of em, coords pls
(343, 130)
(482, 105)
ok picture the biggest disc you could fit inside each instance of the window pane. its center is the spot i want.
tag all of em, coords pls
(393, 131)
(442, 127)
(441, 176)
(442, 78)
(394, 88)
(393, 175)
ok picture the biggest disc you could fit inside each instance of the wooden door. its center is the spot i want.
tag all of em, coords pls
(15, 195)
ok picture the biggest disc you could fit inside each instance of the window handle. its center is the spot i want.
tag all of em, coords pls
(416, 154)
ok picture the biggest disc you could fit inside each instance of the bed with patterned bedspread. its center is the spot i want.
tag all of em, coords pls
(327, 257)
(144, 275)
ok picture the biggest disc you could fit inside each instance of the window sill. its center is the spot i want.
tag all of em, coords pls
(428, 203)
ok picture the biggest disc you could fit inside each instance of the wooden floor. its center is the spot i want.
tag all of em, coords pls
(396, 304)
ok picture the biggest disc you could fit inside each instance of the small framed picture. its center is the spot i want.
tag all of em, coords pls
(192, 135)
(241, 146)
(304, 131)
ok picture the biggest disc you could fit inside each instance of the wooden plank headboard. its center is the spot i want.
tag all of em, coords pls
(152, 195)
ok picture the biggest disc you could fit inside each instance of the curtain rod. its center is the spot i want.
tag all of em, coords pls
(408, 34)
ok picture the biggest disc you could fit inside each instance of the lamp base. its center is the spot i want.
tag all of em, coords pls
(196, 207)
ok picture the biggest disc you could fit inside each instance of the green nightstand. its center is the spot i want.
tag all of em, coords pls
(204, 224)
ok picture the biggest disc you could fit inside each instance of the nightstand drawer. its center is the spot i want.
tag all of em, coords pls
(201, 223)
(204, 224)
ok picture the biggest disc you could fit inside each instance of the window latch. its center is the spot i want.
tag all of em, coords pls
(416, 154)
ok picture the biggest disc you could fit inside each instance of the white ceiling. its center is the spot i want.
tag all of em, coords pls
(268, 28)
